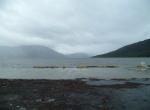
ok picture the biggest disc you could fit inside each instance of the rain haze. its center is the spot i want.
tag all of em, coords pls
(74, 26)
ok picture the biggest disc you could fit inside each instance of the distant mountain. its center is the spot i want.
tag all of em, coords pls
(29, 51)
(139, 49)
(78, 55)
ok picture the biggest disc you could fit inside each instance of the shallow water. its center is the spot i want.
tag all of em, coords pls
(23, 69)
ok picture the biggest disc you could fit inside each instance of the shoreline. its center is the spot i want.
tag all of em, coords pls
(77, 94)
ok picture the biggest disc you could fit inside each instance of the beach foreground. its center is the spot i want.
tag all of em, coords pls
(78, 94)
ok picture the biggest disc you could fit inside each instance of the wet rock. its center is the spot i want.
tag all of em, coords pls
(22, 108)
(72, 94)
(39, 100)
(145, 100)
(50, 100)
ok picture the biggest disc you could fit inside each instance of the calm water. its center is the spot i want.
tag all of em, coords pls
(22, 69)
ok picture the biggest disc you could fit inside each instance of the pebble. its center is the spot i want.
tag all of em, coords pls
(50, 100)
(22, 108)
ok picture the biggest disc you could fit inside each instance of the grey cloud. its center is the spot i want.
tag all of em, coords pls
(70, 26)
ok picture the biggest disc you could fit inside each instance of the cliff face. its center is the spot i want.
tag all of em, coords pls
(139, 49)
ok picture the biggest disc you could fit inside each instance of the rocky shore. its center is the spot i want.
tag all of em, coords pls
(78, 94)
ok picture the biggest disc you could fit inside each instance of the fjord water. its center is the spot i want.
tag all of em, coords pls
(23, 69)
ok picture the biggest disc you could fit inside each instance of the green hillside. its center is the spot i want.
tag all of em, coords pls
(139, 49)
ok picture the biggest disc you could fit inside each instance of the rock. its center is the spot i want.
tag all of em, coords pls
(39, 100)
(50, 100)
(22, 108)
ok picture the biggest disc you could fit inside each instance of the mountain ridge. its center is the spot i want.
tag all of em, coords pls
(29, 51)
(138, 49)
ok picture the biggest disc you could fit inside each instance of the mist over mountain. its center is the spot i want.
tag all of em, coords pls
(78, 55)
(28, 51)
(74, 26)
(139, 49)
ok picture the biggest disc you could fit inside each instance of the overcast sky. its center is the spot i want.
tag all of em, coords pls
(70, 26)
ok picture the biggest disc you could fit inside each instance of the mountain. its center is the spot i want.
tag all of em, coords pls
(139, 49)
(78, 55)
(29, 51)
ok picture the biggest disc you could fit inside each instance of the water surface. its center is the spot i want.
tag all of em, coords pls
(23, 69)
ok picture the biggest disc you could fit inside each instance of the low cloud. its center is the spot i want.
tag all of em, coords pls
(72, 26)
